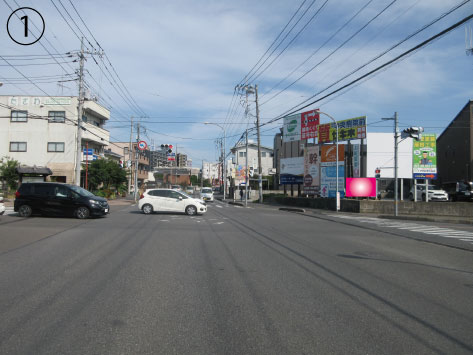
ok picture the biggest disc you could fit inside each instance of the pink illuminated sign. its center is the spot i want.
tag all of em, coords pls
(361, 187)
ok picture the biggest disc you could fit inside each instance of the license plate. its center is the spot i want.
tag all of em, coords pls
(467, 193)
(106, 210)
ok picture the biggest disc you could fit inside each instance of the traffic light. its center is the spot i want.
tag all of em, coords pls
(377, 172)
(413, 132)
(167, 148)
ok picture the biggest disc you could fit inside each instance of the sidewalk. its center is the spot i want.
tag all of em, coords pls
(308, 210)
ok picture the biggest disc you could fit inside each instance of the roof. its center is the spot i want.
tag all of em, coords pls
(40, 170)
(457, 116)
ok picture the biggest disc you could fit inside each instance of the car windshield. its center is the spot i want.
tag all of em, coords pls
(81, 191)
(184, 194)
(206, 191)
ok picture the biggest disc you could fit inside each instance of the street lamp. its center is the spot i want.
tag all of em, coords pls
(337, 193)
(224, 158)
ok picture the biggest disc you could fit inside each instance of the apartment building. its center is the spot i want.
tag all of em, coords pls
(42, 131)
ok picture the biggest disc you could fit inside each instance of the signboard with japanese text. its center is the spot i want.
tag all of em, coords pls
(240, 172)
(309, 122)
(312, 170)
(287, 179)
(292, 128)
(292, 166)
(328, 153)
(353, 128)
(356, 160)
(424, 157)
(328, 172)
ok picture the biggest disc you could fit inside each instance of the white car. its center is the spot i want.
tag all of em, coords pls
(166, 200)
(2, 206)
(207, 194)
(435, 193)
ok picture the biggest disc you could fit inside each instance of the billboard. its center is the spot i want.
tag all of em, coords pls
(301, 126)
(328, 173)
(361, 187)
(356, 160)
(312, 170)
(309, 122)
(293, 166)
(353, 128)
(292, 128)
(424, 157)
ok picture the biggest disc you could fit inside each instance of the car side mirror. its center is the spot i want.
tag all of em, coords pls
(180, 197)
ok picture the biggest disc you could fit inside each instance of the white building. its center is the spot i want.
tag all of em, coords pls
(210, 170)
(42, 131)
(239, 159)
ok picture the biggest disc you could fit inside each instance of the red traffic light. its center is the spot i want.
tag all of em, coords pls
(377, 171)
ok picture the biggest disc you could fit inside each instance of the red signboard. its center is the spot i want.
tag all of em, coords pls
(309, 122)
(324, 133)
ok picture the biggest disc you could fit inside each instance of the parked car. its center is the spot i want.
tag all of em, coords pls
(189, 190)
(58, 199)
(435, 193)
(166, 200)
(2, 206)
(459, 190)
(207, 194)
(176, 187)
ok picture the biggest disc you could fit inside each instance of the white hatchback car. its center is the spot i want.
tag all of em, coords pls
(2, 206)
(207, 194)
(166, 200)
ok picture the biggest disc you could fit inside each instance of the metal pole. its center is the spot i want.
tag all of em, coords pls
(224, 165)
(337, 194)
(396, 197)
(246, 171)
(130, 150)
(136, 160)
(86, 164)
(260, 168)
(79, 114)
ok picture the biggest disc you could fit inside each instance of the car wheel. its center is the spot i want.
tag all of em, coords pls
(25, 211)
(147, 209)
(191, 210)
(82, 212)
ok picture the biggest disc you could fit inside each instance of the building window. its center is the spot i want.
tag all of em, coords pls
(84, 118)
(56, 147)
(57, 116)
(125, 151)
(17, 146)
(263, 154)
(242, 154)
(19, 116)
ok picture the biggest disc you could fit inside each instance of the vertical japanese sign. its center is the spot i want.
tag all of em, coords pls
(353, 128)
(424, 157)
(309, 122)
(328, 173)
(356, 160)
(292, 128)
(312, 170)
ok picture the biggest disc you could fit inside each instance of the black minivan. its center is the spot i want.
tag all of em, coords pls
(58, 199)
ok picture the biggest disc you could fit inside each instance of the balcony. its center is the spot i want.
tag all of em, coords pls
(95, 134)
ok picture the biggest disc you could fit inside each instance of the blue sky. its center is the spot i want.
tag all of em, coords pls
(181, 60)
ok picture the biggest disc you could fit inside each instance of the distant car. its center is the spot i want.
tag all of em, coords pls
(435, 193)
(207, 194)
(189, 190)
(50, 198)
(459, 190)
(2, 206)
(176, 187)
(166, 200)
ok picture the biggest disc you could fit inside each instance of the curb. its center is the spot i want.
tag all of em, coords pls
(291, 209)
(236, 203)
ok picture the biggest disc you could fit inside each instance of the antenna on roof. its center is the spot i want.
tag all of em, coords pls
(468, 40)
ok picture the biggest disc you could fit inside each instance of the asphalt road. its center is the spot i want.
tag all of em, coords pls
(234, 281)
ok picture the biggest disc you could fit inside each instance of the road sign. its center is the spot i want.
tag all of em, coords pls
(142, 145)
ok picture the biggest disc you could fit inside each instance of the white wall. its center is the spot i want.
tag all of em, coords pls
(380, 154)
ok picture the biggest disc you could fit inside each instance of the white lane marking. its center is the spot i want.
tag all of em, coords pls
(218, 206)
(164, 220)
(219, 223)
(418, 228)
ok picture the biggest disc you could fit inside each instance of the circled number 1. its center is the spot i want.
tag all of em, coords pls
(26, 24)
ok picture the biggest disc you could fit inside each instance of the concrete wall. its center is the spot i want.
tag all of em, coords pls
(457, 209)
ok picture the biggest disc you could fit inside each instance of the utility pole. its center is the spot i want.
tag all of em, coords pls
(136, 160)
(130, 155)
(260, 169)
(246, 171)
(79, 114)
(396, 134)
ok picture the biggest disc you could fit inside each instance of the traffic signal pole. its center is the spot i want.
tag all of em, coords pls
(396, 136)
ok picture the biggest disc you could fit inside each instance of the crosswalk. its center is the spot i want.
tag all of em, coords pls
(462, 235)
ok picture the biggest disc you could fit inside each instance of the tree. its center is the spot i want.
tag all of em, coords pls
(195, 180)
(106, 172)
(8, 172)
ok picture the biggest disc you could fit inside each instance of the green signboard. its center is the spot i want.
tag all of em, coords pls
(424, 157)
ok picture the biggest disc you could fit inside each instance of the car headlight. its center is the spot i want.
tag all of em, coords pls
(94, 202)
